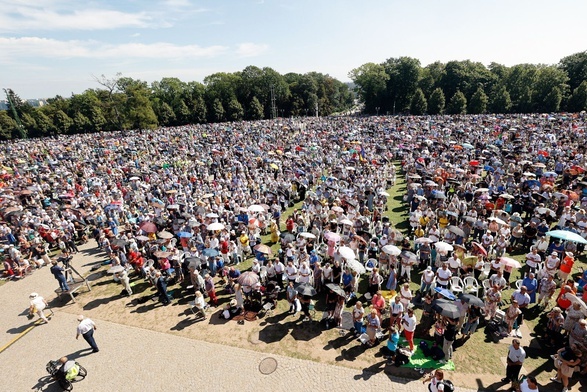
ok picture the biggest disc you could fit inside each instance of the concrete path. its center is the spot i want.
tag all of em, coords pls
(133, 359)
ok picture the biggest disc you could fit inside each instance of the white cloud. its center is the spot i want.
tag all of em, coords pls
(249, 49)
(27, 47)
(23, 18)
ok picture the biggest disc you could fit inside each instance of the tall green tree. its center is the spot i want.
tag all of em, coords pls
(138, 113)
(7, 126)
(235, 111)
(436, 102)
(255, 110)
(418, 105)
(575, 66)
(501, 101)
(404, 74)
(544, 92)
(478, 103)
(371, 81)
(578, 101)
(457, 104)
(552, 101)
(217, 112)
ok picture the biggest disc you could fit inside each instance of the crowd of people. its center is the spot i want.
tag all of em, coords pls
(187, 205)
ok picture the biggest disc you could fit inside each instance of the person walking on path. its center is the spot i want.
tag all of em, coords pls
(515, 359)
(57, 271)
(86, 328)
(37, 305)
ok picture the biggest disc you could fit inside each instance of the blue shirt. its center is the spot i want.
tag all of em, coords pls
(392, 341)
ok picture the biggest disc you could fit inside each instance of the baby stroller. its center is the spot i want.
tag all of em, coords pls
(74, 373)
(496, 327)
(271, 293)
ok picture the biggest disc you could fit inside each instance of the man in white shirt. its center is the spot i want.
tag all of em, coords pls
(532, 260)
(523, 299)
(86, 328)
(443, 276)
(515, 359)
(551, 263)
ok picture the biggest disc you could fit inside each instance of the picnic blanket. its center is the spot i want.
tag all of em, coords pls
(418, 360)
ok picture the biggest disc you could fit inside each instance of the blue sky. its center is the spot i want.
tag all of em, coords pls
(50, 47)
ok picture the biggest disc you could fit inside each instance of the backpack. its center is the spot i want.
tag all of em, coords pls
(448, 385)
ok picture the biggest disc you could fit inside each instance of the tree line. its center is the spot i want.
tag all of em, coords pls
(396, 86)
(122, 103)
(402, 85)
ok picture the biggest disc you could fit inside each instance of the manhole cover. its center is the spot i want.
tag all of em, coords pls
(268, 365)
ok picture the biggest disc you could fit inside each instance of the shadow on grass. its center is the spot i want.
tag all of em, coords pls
(187, 321)
(273, 333)
(339, 342)
(352, 353)
(100, 301)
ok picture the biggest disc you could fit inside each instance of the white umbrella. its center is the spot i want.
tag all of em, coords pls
(307, 235)
(443, 246)
(212, 215)
(574, 299)
(506, 196)
(499, 221)
(337, 209)
(134, 178)
(355, 266)
(215, 226)
(347, 222)
(165, 235)
(256, 208)
(481, 190)
(383, 193)
(391, 250)
(423, 240)
(346, 252)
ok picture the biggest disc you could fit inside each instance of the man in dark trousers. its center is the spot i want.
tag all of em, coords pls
(515, 359)
(57, 271)
(86, 328)
(162, 289)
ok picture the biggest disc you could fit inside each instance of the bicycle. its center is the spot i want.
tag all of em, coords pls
(75, 373)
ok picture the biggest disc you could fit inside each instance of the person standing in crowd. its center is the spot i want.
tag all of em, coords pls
(450, 333)
(86, 328)
(161, 284)
(409, 325)
(515, 359)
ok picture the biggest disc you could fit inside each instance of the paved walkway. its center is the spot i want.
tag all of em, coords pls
(134, 359)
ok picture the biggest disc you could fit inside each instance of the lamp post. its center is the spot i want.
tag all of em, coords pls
(377, 109)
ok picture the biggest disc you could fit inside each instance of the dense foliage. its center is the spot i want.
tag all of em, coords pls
(126, 103)
(402, 85)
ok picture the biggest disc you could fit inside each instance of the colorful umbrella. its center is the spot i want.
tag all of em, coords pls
(509, 262)
(262, 248)
(148, 227)
(248, 279)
